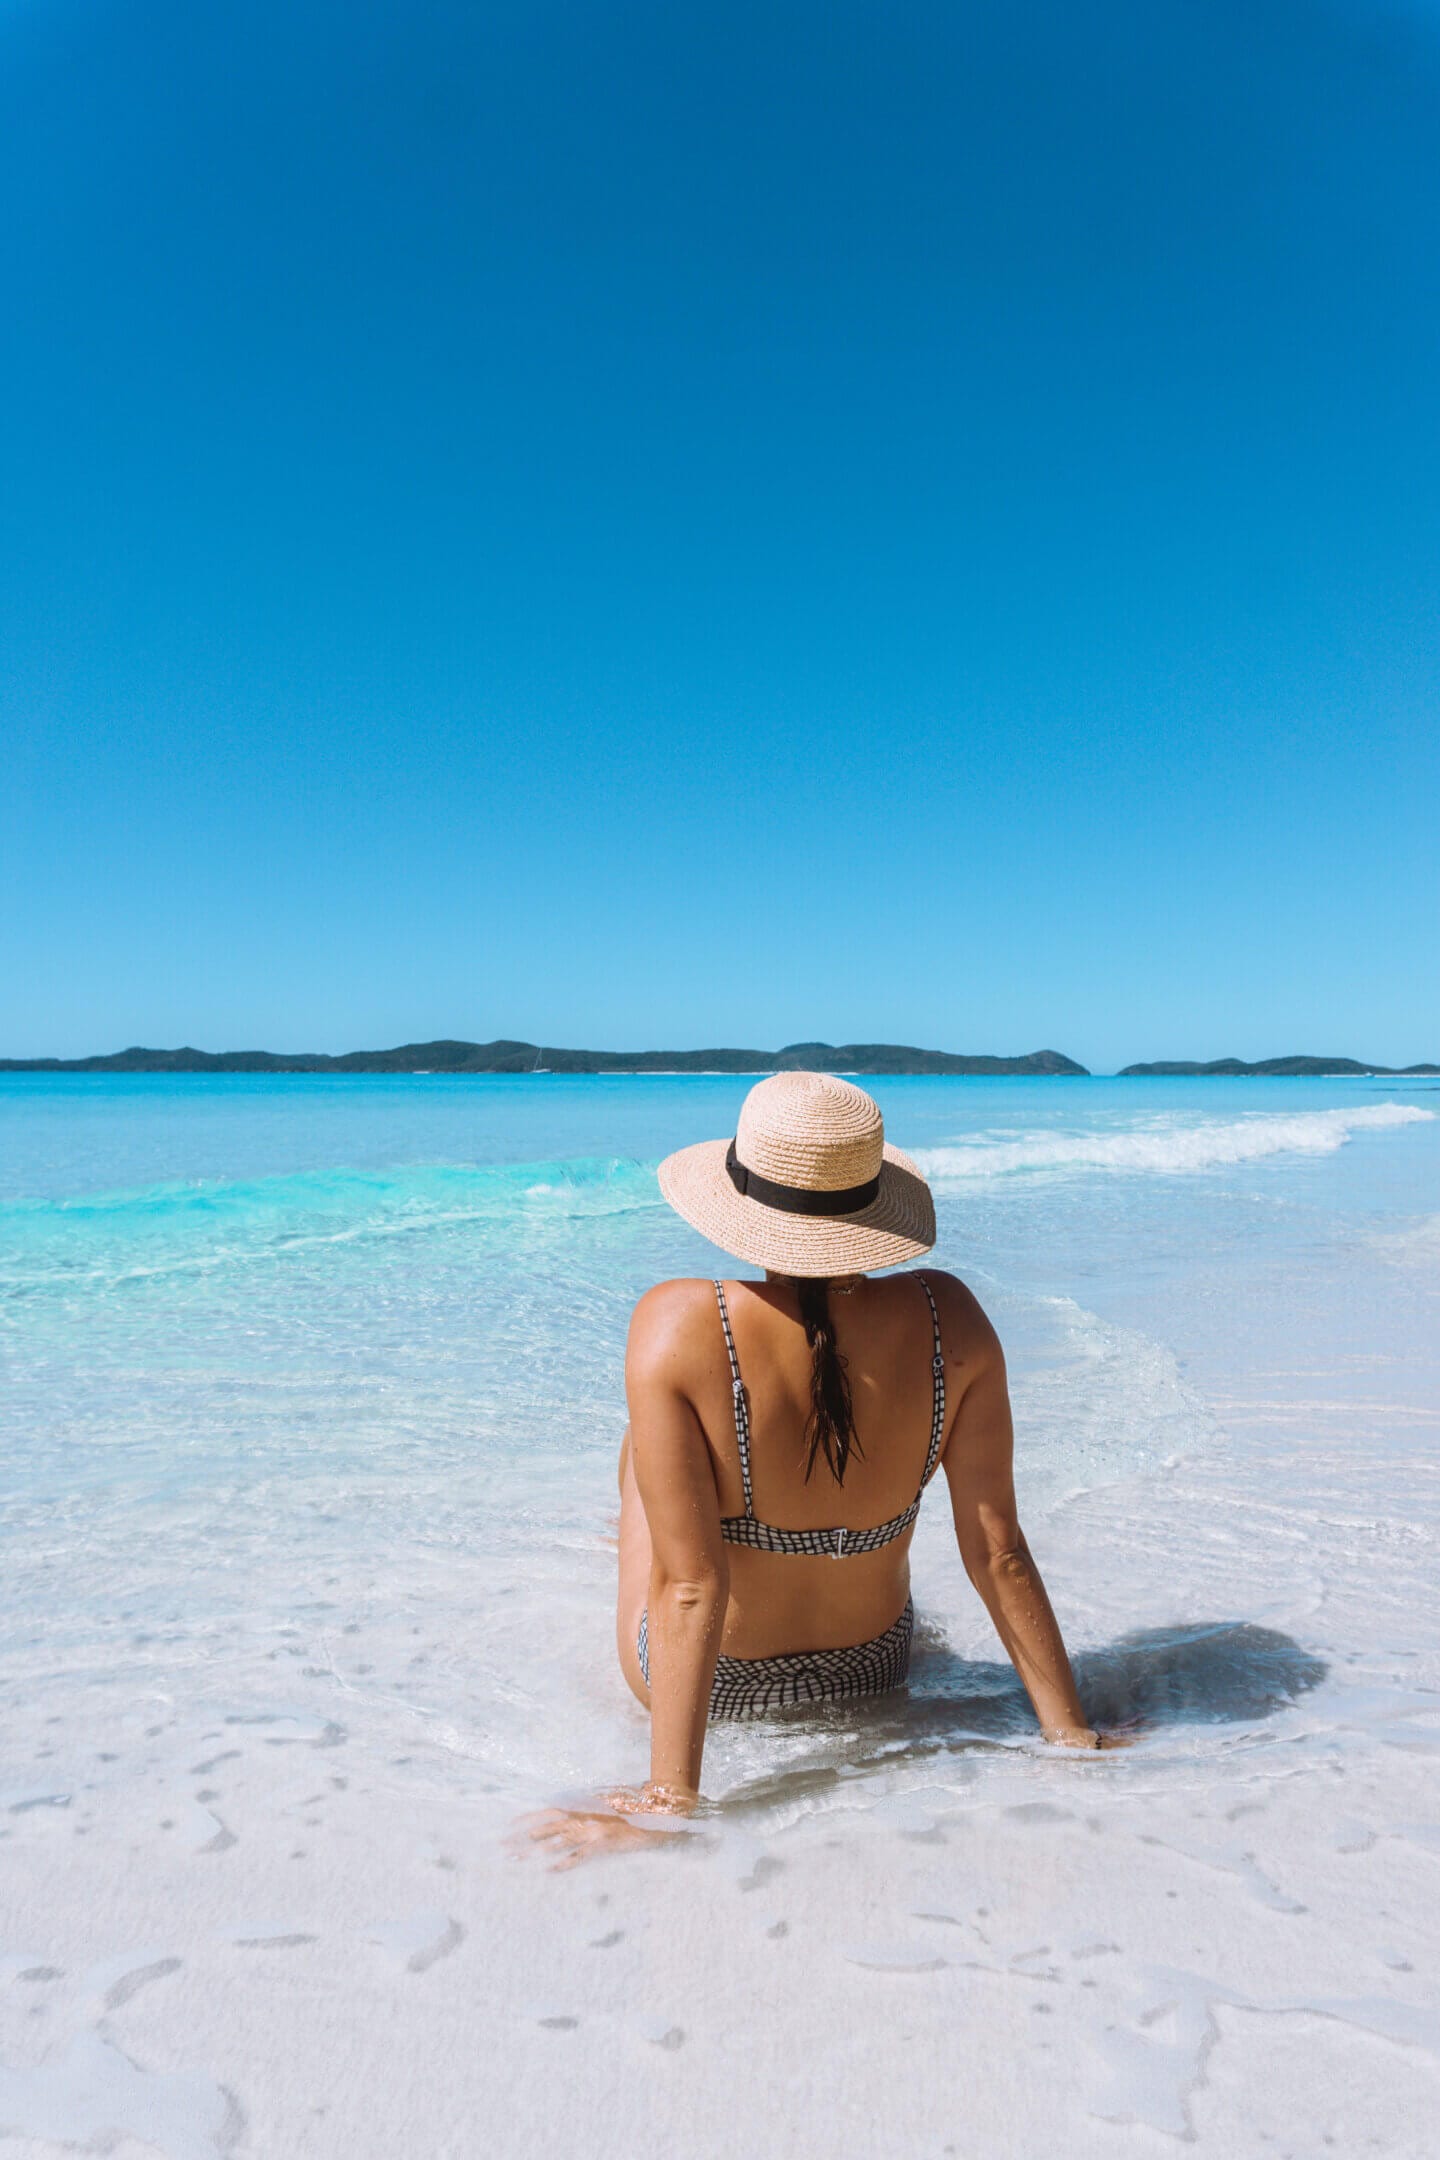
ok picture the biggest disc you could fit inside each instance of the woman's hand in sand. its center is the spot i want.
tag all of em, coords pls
(652, 1799)
(569, 1835)
(1085, 1736)
(566, 1836)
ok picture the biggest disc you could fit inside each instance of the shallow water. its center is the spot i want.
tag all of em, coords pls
(313, 1395)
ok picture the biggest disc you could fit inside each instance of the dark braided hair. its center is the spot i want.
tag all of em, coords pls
(830, 1427)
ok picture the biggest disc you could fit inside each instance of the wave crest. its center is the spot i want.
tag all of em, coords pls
(1165, 1148)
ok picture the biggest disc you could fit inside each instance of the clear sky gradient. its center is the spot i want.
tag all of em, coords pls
(649, 525)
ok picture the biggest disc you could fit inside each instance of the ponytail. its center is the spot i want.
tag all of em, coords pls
(830, 1427)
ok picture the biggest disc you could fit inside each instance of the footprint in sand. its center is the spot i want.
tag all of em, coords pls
(254, 1938)
(662, 2034)
(295, 1729)
(203, 1831)
(115, 1980)
(754, 1868)
(894, 1957)
(421, 1939)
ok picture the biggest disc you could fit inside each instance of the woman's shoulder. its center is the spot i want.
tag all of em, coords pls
(669, 1311)
(965, 1326)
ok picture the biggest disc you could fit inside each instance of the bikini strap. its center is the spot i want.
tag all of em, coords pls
(937, 1368)
(742, 1408)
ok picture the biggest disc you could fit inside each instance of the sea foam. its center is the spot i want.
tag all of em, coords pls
(1164, 1147)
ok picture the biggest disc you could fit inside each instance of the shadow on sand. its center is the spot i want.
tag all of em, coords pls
(1204, 1673)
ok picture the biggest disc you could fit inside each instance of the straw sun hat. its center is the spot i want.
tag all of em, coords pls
(808, 1185)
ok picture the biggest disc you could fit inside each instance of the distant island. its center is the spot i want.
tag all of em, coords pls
(524, 1057)
(1281, 1068)
(527, 1057)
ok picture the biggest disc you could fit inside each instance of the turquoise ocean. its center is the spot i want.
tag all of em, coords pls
(312, 1397)
(278, 1345)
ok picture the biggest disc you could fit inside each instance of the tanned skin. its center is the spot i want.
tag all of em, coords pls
(679, 1474)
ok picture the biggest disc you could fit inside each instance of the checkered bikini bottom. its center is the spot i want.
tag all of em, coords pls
(751, 1687)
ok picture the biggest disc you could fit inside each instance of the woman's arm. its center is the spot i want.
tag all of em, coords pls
(979, 1468)
(689, 1569)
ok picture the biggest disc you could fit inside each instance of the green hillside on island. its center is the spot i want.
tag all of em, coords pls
(524, 1057)
(506, 1056)
(1281, 1068)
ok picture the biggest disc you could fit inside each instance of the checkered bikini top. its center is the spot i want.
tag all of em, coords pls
(837, 1544)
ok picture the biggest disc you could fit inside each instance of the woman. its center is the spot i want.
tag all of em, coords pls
(781, 1436)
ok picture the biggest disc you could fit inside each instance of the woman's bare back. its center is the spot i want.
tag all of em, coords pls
(782, 1602)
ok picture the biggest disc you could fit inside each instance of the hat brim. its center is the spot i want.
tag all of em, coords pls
(898, 1225)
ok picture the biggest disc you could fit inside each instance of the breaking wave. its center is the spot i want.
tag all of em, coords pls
(1163, 1147)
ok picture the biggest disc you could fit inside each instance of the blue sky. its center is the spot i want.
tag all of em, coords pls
(661, 526)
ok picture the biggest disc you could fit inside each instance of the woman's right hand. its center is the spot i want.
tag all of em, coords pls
(1085, 1736)
(653, 1799)
(566, 1836)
